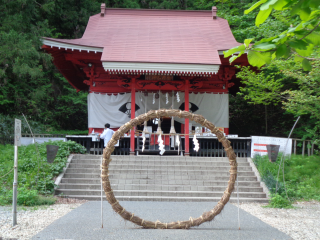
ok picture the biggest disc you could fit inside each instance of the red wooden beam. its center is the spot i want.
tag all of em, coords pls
(186, 108)
(133, 111)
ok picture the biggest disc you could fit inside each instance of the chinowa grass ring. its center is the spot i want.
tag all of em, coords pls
(206, 216)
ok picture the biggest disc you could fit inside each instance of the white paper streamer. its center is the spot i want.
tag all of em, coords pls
(196, 143)
(143, 140)
(145, 129)
(154, 99)
(178, 97)
(178, 141)
(167, 98)
(161, 145)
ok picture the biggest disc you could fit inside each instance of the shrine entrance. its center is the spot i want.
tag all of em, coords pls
(180, 65)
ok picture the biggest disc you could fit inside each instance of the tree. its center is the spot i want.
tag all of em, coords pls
(299, 39)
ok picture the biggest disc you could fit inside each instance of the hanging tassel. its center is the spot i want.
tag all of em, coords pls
(145, 130)
(196, 143)
(161, 145)
(143, 140)
(178, 141)
(172, 129)
(159, 130)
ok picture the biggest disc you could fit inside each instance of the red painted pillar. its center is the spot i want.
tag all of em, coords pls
(186, 126)
(133, 112)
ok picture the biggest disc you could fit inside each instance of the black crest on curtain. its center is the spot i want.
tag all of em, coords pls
(126, 108)
(192, 107)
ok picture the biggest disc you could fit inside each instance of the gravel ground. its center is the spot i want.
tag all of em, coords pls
(300, 223)
(32, 220)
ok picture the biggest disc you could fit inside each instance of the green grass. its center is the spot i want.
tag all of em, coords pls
(35, 175)
(302, 179)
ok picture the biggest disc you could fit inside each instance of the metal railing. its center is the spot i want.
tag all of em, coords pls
(96, 147)
(151, 143)
(209, 146)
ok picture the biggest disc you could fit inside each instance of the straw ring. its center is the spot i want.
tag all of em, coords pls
(176, 225)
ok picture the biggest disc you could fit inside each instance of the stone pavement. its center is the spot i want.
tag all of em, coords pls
(84, 222)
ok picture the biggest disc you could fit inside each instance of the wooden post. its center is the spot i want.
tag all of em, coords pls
(303, 147)
(309, 143)
(186, 108)
(295, 146)
(312, 148)
(133, 111)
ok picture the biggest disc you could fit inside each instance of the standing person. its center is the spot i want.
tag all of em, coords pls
(107, 134)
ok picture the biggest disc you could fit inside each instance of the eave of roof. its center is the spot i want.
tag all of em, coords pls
(154, 40)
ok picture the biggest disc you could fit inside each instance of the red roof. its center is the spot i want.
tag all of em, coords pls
(157, 36)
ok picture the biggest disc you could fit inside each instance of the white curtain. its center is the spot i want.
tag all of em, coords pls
(115, 109)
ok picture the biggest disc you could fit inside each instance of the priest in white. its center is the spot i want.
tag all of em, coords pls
(107, 134)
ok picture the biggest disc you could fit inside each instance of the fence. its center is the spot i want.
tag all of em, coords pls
(296, 148)
(209, 146)
(96, 147)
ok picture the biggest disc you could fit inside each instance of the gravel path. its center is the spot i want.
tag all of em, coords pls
(300, 223)
(32, 220)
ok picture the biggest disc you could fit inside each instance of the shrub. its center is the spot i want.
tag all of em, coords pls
(278, 201)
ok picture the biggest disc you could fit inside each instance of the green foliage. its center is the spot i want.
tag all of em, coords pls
(278, 201)
(36, 176)
(299, 40)
(261, 88)
(7, 126)
(302, 176)
(279, 121)
(285, 83)
(29, 82)
(26, 197)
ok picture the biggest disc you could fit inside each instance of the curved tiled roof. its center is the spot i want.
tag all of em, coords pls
(156, 36)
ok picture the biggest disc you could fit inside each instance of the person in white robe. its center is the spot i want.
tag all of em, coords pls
(107, 134)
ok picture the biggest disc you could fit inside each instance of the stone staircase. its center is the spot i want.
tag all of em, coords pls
(155, 178)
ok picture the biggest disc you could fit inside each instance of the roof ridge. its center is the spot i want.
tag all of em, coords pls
(159, 12)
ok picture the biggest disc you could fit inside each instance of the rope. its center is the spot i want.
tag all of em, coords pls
(114, 203)
(155, 224)
(7, 173)
(191, 219)
(101, 196)
(238, 203)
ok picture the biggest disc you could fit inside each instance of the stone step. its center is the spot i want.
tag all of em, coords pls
(197, 175)
(158, 187)
(218, 171)
(160, 178)
(170, 199)
(160, 182)
(159, 193)
(159, 161)
(158, 166)
(152, 157)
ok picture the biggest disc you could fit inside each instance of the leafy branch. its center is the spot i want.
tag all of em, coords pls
(301, 39)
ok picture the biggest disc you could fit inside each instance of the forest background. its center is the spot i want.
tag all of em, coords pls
(267, 102)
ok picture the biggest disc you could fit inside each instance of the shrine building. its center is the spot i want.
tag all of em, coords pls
(131, 61)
